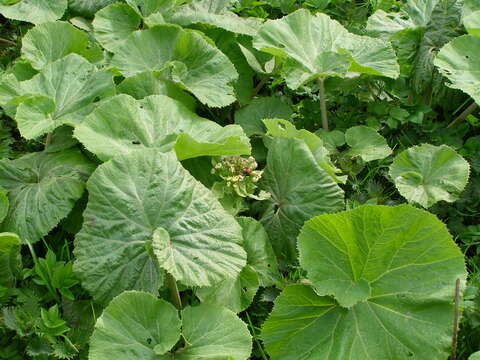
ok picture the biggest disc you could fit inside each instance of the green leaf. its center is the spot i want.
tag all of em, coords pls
(42, 189)
(418, 31)
(211, 332)
(49, 42)
(459, 61)
(10, 258)
(88, 7)
(307, 191)
(35, 11)
(113, 24)
(388, 249)
(471, 16)
(136, 194)
(122, 124)
(63, 91)
(150, 7)
(284, 128)
(135, 325)
(214, 12)
(427, 174)
(250, 117)
(317, 46)
(128, 330)
(4, 204)
(475, 356)
(366, 143)
(189, 59)
(234, 294)
(149, 83)
(260, 255)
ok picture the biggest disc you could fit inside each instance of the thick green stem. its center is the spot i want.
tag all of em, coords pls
(259, 86)
(463, 115)
(323, 103)
(48, 140)
(456, 317)
(6, 41)
(172, 285)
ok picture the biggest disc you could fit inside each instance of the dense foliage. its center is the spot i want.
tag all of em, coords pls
(239, 179)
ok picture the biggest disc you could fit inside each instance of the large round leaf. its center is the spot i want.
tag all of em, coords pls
(391, 272)
(49, 42)
(459, 61)
(144, 196)
(35, 11)
(42, 189)
(122, 124)
(427, 174)
(63, 93)
(317, 46)
(191, 60)
(135, 325)
(307, 191)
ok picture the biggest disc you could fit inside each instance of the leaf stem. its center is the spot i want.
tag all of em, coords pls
(463, 115)
(8, 42)
(456, 317)
(323, 104)
(259, 86)
(48, 140)
(172, 285)
(260, 347)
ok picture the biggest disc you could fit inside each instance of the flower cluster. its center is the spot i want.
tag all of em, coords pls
(240, 174)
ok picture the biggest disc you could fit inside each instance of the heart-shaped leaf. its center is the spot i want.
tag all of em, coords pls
(42, 190)
(62, 93)
(391, 272)
(128, 330)
(366, 143)
(190, 60)
(149, 196)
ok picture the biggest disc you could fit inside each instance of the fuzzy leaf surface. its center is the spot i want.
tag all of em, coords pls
(130, 198)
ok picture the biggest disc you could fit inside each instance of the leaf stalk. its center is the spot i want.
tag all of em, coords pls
(174, 293)
(323, 103)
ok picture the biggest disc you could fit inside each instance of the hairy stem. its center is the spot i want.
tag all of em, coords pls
(172, 285)
(323, 103)
(463, 115)
(456, 317)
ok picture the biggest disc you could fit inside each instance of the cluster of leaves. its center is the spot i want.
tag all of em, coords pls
(220, 179)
